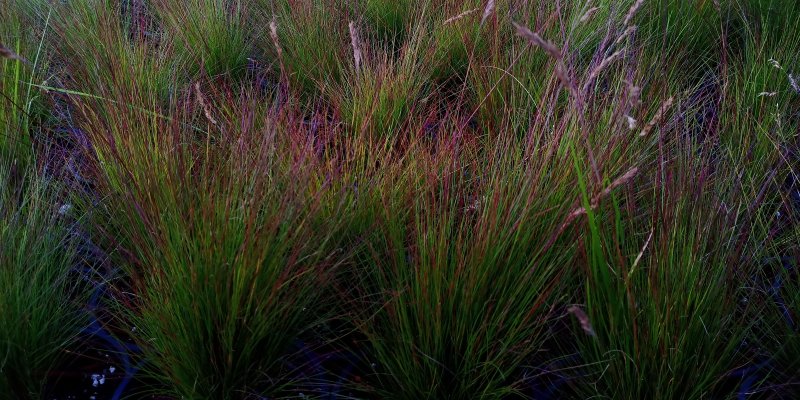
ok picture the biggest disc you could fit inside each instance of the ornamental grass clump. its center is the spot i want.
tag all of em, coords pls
(40, 298)
(469, 257)
(673, 287)
(23, 63)
(380, 92)
(215, 216)
(405, 199)
(41, 313)
(212, 34)
(458, 285)
(209, 199)
(662, 292)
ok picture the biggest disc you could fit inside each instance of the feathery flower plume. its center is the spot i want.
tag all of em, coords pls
(203, 104)
(627, 32)
(631, 122)
(625, 178)
(634, 93)
(273, 33)
(589, 14)
(600, 67)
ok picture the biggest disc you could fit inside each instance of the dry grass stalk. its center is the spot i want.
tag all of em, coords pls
(460, 16)
(273, 33)
(625, 178)
(206, 108)
(589, 14)
(5, 52)
(627, 32)
(793, 82)
(355, 42)
(537, 40)
(600, 67)
(632, 12)
(634, 94)
(641, 253)
(662, 111)
(487, 11)
(586, 325)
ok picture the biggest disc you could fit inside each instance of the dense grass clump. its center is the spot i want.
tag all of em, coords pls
(40, 296)
(40, 305)
(408, 199)
(40, 302)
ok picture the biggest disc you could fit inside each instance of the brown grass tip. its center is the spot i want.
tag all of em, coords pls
(5, 52)
(537, 40)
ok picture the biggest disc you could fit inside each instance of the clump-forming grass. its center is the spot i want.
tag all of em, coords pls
(40, 304)
(452, 183)
(40, 308)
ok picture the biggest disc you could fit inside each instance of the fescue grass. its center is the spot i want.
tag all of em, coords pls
(40, 305)
(212, 34)
(663, 292)
(461, 277)
(23, 62)
(237, 247)
(40, 300)
(462, 199)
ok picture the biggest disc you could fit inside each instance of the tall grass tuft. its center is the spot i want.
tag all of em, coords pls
(40, 309)
(377, 97)
(23, 62)
(465, 284)
(217, 224)
(313, 36)
(663, 286)
(212, 34)
(445, 199)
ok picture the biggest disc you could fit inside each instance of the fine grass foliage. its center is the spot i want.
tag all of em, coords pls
(40, 304)
(427, 199)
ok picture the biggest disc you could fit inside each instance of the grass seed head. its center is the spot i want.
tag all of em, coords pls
(355, 42)
(551, 49)
(586, 325)
(662, 111)
(632, 12)
(589, 14)
(794, 84)
(5, 52)
(487, 11)
(460, 16)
